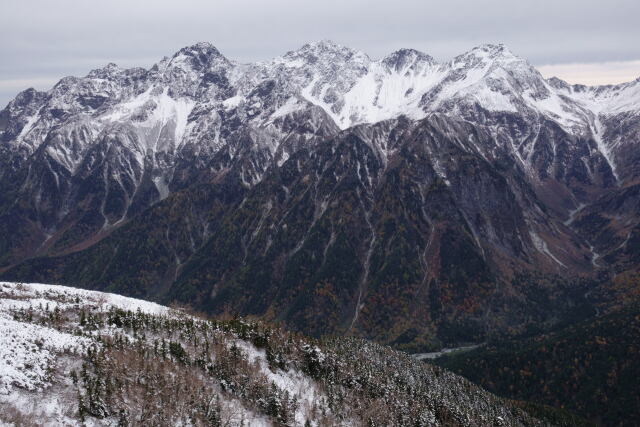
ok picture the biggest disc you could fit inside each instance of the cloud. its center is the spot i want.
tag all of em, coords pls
(592, 74)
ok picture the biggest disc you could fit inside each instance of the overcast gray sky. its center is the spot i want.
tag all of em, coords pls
(581, 40)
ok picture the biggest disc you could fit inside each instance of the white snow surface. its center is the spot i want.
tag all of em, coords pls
(164, 111)
(542, 247)
(296, 383)
(28, 350)
(35, 358)
(40, 292)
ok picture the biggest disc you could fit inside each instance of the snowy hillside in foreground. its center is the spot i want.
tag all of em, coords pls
(28, 350)
(31, 353)
(67, 354)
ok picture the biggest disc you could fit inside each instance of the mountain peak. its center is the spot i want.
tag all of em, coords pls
(27, 97)
(403, 58)
(491, 50)
(558, 83)
(486, 53)
(200, 49)
(324, 44)
(327, 49)
(490, 57)
(203, 45)
(492, 47)
(201, 55)
(105, 72)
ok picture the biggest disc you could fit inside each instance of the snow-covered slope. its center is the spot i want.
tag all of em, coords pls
(41, 344)
(36, 356)
(69, 356)
(27, 350)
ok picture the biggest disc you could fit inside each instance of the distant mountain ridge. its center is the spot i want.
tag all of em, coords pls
(400, 199)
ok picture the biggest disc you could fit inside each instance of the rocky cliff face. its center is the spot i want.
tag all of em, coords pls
(400, 199)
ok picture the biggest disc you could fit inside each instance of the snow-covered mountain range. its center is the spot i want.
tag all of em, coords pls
(165, 104)
(469, 172)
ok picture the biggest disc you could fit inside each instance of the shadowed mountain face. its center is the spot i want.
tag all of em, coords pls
(404, 200)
